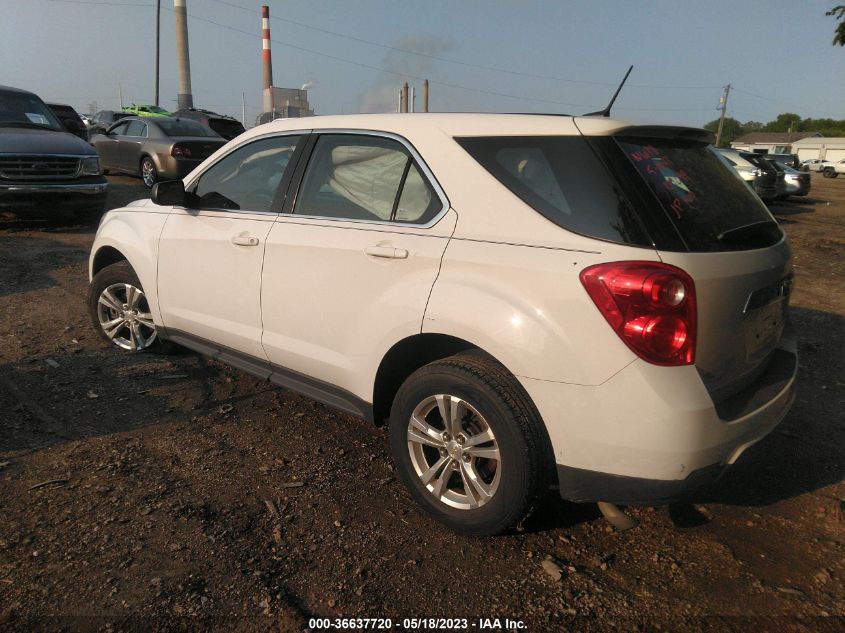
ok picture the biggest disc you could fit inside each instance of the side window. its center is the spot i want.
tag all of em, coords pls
(364, 178)
(418, 203)
(120, 129)
(247, 178)
(136, 128)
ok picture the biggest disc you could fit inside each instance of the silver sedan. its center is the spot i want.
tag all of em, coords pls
(155, 148)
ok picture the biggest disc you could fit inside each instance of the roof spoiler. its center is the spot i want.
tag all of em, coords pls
(697, 135)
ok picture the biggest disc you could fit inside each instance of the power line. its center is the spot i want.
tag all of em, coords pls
(435, 81)
(105, 3)
(462, 63)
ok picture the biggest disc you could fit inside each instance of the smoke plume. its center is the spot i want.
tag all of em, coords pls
(383, 95)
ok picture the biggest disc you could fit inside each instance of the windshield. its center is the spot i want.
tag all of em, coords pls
(711, 209)
(183, 127)
(20, 108)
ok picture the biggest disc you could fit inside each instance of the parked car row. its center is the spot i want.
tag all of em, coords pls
(42, 165)
(771, 176)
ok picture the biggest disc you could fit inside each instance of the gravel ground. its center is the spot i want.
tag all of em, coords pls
(175, 493)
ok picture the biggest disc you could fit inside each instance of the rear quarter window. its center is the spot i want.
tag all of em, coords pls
(561, 178)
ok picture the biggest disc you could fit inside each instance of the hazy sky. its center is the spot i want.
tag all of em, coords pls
(551, 56)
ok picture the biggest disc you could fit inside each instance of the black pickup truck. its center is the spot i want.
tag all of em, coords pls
(45, 170)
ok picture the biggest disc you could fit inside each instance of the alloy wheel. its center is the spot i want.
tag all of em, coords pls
(124, 316)
(454, 452)
(148, 172)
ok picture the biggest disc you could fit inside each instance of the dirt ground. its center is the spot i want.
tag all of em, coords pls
(174, 493)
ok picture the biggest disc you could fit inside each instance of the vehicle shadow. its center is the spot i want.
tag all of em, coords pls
(26, 262)
(804, 453)
(89, 393)
(793, 206)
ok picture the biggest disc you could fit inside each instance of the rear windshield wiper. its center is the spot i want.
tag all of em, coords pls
(742, 229)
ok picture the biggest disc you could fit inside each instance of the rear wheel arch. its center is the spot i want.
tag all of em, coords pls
(414, 352)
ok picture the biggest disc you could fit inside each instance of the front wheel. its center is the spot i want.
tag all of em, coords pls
(119, 309)
(469, 445)
(149, 174)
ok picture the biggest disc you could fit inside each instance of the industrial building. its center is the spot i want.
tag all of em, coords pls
(283, 103)
(830, 148)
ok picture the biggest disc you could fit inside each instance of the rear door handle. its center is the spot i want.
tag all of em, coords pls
(387, 252)
(244, 240)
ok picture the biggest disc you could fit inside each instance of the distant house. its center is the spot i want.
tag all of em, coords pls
(771, 142)
(827, 148)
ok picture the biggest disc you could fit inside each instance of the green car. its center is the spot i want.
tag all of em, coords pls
(146, 110)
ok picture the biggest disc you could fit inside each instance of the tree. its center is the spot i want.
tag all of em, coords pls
(784, 123)
(731, 130)
(838, 12)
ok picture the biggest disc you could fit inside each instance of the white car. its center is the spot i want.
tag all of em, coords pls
(528, 301)
(815, 164)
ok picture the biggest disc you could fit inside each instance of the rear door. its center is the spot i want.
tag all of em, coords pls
(348, 272)
(211, 254)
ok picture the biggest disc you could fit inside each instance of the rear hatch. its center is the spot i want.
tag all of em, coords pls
(728, 242)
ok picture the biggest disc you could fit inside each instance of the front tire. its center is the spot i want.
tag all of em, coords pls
(119, 309)
(149, 174)
(469, 445)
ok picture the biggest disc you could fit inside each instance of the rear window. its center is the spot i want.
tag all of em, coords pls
(225, 128)
(710, 208)
(562, 179)
(181, 127)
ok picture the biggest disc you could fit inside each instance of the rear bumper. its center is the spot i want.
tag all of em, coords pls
(590, 486)
(70, 196)
(172, 168)
(651, 435)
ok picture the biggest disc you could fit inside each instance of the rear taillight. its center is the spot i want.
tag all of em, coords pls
(651, 306)
(179, 151)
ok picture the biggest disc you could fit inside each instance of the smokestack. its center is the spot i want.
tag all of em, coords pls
(183, 60)
(425, 96)
(266, 59)
(405, 97)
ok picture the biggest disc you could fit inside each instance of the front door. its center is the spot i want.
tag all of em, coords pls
(211, 252)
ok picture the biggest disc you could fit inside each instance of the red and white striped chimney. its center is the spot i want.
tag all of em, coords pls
(266, 58)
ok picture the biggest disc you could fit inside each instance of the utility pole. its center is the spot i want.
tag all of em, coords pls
(425, 96)
(120, 94)
(158, 42)
(723, 105)
(243, 108)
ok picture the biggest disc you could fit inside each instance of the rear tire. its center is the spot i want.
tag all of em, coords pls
(149, 174)
(483, 468)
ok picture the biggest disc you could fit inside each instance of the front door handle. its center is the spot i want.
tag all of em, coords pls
(387, 252)
(244, 240)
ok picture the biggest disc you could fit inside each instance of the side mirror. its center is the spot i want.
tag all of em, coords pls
(170, 193)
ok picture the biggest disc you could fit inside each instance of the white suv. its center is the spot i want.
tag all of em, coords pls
(528, 301)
